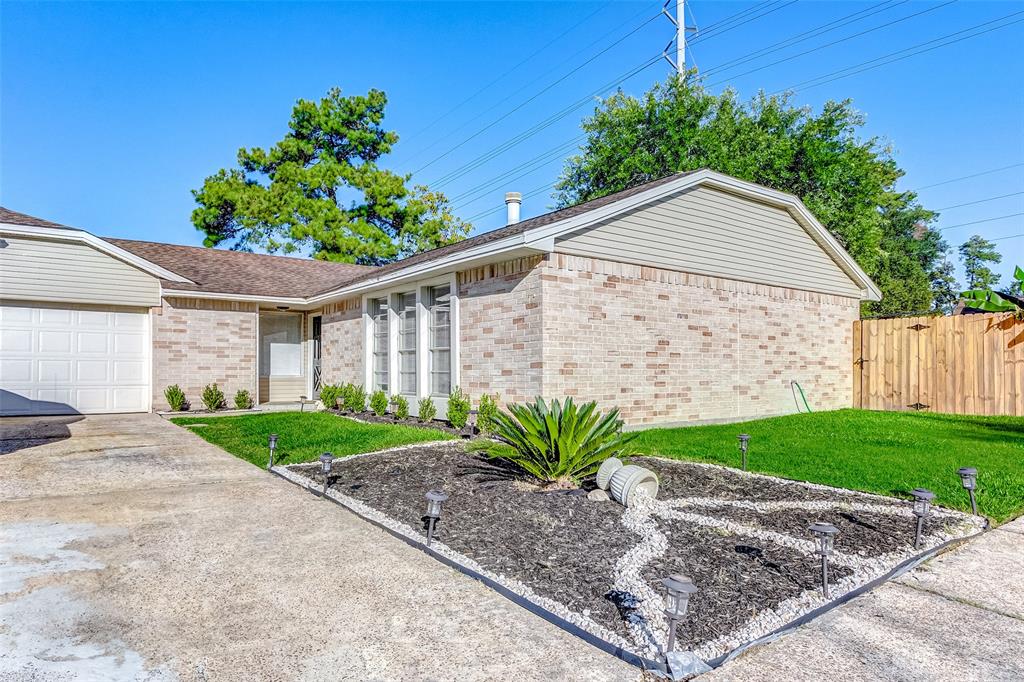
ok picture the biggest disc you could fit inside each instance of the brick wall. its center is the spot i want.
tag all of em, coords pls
(667, 347)
(341, 343)
(500, 330)
(198, 342)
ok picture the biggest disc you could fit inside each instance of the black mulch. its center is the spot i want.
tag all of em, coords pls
(565, 547)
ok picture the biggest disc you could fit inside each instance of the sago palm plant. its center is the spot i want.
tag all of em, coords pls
(560, 443)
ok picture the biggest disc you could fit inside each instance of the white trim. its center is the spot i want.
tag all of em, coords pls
(72, 235)
(454, 343)
(298, 303)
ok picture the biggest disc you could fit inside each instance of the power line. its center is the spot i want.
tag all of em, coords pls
(979, 201)
(836, 42)
(531, 98)
(510, 71)
(711, 32)
(968, 177)
(806, 35)
(530, 132)
(912, 51)
(978, 222)
(1012, 236)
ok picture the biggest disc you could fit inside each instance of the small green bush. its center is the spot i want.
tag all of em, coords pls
(486, 413)
(176, 398)
(355, 398)
(401, 407)
(427, 410)
(458, 408)
(379, 403)
(243, 399)
(329, 394)
(213, 397)
(563, 443)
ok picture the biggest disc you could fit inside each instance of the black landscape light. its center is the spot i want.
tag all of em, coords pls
(679, 587)
(272, 444)
(434, 500)
(326, 461)
(922, 507)
(824, 534)
(744, 440)
(969, 479)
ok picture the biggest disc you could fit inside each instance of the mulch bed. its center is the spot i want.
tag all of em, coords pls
(565, 547)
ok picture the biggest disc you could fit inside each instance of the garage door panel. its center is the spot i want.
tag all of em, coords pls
(15, 370)
(54, 342)
(93, 371)
(15, 340)
(55, 371)
(59, 361)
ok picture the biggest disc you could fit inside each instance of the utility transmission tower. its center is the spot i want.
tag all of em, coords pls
(679, 39)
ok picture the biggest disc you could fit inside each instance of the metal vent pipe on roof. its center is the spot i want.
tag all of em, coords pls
(513, 200)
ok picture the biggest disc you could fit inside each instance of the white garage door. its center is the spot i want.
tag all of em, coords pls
(69, 360)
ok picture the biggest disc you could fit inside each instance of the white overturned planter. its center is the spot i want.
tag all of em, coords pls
(605, 471)
(627, 481)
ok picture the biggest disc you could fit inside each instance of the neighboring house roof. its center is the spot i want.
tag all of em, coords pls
(238, 272)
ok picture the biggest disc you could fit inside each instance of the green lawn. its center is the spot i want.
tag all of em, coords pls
(880, 452)
(302, 436)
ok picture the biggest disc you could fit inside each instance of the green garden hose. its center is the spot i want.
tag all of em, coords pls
(804, 397)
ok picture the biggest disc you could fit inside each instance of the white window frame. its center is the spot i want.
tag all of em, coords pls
(370, 325)
(422, 351)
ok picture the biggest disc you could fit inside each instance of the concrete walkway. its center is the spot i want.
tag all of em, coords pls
(958, 617)
(131, 549)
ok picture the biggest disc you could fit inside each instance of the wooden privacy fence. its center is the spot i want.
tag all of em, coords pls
(966, 364)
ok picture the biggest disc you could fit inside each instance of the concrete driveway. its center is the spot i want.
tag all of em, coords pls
(131, 549)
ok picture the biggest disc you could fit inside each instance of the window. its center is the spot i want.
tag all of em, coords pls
(406, 309)
(440, 339)
(280, 345)
(379, 315)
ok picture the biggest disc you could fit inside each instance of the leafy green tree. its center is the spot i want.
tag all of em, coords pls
(976, 253)
(846, 181)
(945, 287)
(320, 189)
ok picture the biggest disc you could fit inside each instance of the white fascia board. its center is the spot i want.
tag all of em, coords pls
(291, 302)
(547, 234)
(82, 237)
(460, 259)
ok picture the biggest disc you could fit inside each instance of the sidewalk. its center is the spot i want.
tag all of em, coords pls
(958, 617)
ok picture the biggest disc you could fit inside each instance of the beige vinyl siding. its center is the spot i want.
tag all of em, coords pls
(69, 272)
(710, 232)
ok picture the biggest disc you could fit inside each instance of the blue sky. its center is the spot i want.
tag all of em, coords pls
(110, 113)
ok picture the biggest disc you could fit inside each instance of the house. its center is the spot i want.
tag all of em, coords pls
(694, 298)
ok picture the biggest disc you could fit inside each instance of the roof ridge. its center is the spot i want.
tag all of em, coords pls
(208, 249)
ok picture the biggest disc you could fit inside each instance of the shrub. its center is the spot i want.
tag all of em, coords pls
(379, 403)
(329, 394)
(243, 399)
(355, 398)
(401, 407)
(560, 444)
(458, 408)
(486, 412)
(213, 397)
(427, 410)
(176, 398)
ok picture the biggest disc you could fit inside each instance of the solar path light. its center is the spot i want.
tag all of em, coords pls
(679, 587)
(326, 461)
(272, 444)
(434, 500)
(969, 479)
(744, 440)
(922, 507)
(824, 534)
